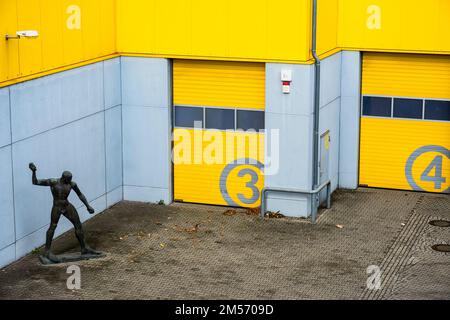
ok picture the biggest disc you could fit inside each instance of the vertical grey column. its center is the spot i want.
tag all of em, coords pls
(291, 115)
(146, 107)
(350, 120)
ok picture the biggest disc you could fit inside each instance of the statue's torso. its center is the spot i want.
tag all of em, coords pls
(61, 194)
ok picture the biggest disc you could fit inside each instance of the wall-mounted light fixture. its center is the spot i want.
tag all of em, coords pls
(30, 34)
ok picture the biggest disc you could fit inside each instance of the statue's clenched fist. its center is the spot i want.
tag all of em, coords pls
(33, 167)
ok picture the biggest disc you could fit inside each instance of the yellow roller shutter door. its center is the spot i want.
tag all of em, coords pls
(214, 164)
(219, 84)
(405, 125)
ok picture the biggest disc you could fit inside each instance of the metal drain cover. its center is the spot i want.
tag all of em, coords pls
(440, 223)
(441, 247)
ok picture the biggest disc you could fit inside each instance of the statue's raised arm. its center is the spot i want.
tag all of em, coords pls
(36, 182)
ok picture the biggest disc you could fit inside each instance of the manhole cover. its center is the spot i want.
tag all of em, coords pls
(441, 247)
(440, 223)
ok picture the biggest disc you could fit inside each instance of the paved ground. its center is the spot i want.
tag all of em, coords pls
(197, 252)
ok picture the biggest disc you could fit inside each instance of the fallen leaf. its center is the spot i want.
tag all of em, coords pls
(193, 230)
(162, 245)
(253, 211)
(230, 213)
(274, 215)
(188, 230)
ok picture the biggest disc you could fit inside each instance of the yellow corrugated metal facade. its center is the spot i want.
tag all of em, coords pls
(70, 32)
(406, 75)
(398, 152)
(78, 31)
(219, 84)
(251, 30)
(218, 167)
(394, 25)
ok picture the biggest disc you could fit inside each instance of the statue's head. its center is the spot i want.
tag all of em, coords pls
(66, 177)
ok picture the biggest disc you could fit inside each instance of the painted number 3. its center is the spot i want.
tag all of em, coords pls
(245, 172)
(251, 185)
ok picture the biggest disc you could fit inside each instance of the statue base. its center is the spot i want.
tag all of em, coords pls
(68, 258)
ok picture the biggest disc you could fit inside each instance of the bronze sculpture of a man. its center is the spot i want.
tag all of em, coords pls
(61, 189)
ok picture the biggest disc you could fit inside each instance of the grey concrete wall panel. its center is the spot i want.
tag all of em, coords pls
(112, 83)
(52, 101)
(330, 108)
(7, 228)
(330, 80)
(351, 73)
(145, 148)
(5, 128)
(298, 102)
(145, 82)
(295, 151)
(350, 120)
(113, 142)
(329, 121)
(78, 147)
(35, 239)
(115, 196)
(291, 114)
(146, 194)
(146, 129)
(7, 255)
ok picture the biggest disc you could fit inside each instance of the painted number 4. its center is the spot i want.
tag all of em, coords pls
(436, 167)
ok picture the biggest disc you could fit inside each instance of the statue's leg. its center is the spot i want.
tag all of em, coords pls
(56, 214)
(73, 216)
